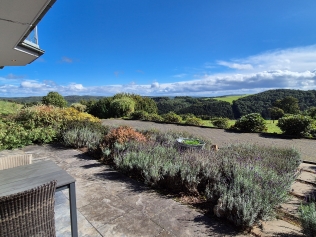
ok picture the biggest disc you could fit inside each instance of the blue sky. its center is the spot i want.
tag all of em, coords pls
(165, 48)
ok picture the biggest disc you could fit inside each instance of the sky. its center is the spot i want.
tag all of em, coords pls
(170, 48)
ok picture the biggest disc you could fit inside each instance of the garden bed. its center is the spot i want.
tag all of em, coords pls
(245, 181)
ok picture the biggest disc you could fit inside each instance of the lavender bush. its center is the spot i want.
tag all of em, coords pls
(248, 180)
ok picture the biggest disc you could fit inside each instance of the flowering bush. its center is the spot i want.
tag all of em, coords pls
(40, 124)
(122, 135)
(117, 138)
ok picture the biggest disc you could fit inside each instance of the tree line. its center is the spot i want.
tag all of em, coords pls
(270, 104)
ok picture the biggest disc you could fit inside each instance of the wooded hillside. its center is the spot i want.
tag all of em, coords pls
(257, 103)
(261, 102)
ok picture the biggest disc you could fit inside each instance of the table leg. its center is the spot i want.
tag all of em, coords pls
(73, 210)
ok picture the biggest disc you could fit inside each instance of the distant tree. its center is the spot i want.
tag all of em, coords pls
(54, 98)
(288, 104)
(141, 102)
(100, 108)
(123, 106)
(276, 113)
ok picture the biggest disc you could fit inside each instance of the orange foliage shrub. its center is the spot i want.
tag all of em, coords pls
(123, 134)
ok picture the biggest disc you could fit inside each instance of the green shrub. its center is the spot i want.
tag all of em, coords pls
(308, 218)
(172, 117)
(79, 107)
(13, 135)
(139, 114)
(154, 118)
(194, 121)
(221, 122)
(187, 116)
(122, 107)
(295, 124)
(42, 124)
(251, 123)
(43, 135)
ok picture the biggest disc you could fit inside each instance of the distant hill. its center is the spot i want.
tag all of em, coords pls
(70, 99)
(261, 102)
(231, 106)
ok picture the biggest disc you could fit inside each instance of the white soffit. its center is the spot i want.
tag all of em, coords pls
(17, 19)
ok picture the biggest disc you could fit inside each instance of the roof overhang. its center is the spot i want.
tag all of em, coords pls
(17, 19)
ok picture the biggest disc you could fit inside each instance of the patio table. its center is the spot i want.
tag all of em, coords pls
(25, 177)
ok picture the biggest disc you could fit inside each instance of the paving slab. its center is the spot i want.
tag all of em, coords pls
(307, 177)
(308, 167)
(277, 228)
(291, 207)
(302, 190)
(133, 224)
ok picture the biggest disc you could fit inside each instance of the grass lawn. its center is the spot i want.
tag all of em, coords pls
(272, 127)
(9, 107)
(230, 99)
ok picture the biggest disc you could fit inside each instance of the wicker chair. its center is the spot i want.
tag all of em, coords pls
(7, 162)
(29, 213)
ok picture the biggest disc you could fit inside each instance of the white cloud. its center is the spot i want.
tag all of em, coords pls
(290, 68)
(180, 75)
(235, 65)
(154, 85)
(31, 84)
(74, 86)
(294, 59)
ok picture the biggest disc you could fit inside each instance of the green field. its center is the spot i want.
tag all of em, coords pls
(229, 99)
(9, 107)
(272, 127)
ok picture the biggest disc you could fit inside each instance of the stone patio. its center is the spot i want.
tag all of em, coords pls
(111, 204)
